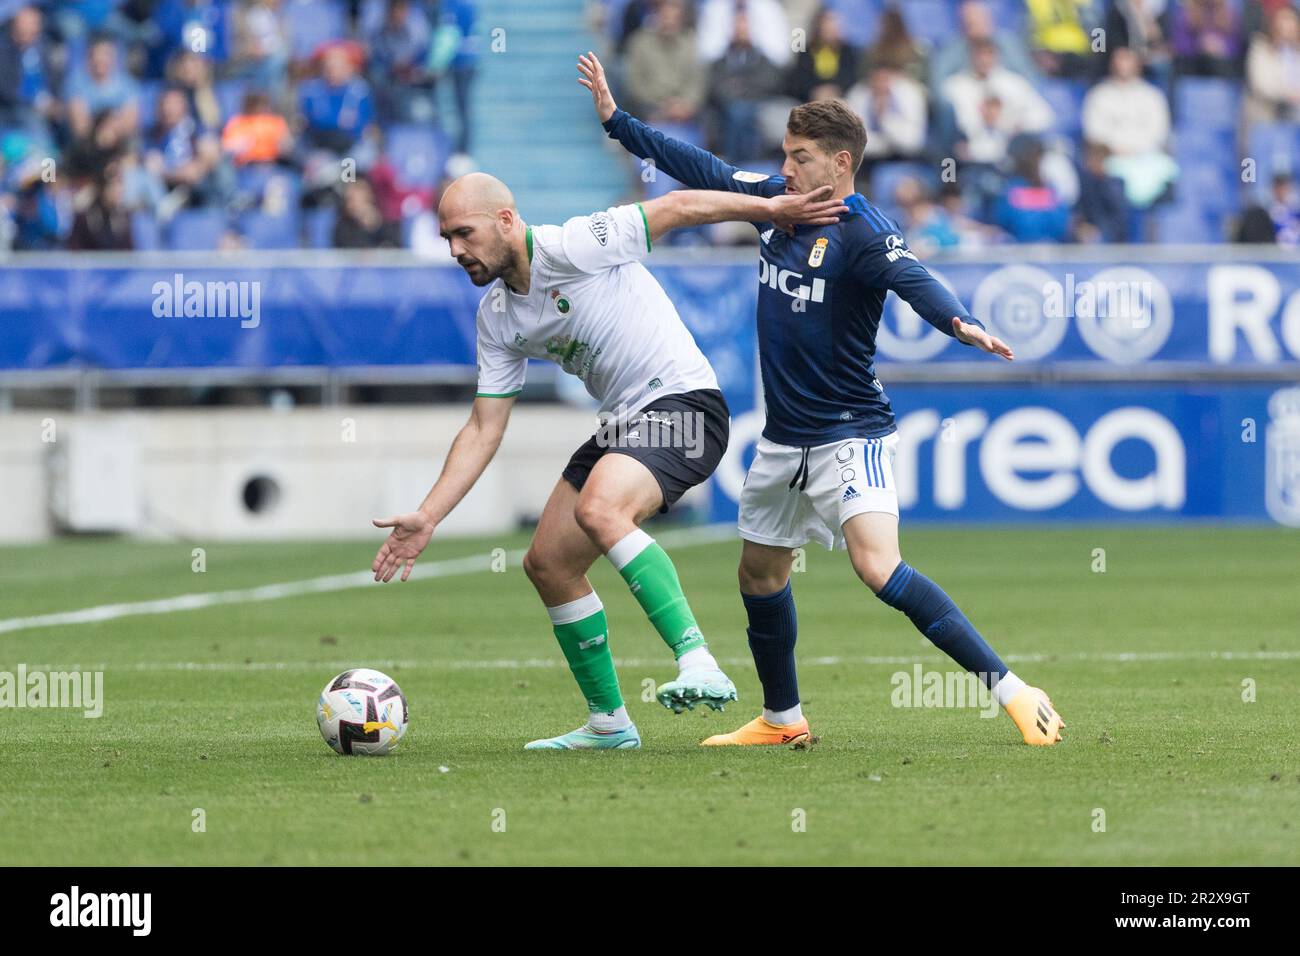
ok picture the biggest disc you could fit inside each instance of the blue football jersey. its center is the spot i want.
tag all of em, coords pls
(821, 293)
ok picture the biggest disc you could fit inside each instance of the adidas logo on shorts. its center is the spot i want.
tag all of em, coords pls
(850, 493)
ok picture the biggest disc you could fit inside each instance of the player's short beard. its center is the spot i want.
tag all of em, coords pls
(494, 267)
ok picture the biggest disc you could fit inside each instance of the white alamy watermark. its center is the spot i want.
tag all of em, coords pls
(232, 299)
(76, 690)
(76, 908)
(922, 688)
(653, 428)
(1118, 301)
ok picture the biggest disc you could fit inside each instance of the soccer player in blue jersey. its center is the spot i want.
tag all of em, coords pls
(823, 466)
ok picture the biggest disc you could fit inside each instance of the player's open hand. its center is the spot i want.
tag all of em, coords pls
(592, 76)
(411, 533)
(813, 208)
(974, 335)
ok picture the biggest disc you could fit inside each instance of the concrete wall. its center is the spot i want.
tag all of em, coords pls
(169, 473)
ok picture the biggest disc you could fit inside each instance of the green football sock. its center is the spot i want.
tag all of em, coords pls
(583, 633)
(650, 575)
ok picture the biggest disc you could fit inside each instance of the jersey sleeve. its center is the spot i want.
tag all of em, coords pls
(606, 239)
(884, 261)
(689, 165)
(501, 370)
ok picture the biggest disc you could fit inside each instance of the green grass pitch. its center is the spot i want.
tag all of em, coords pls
(213, 709)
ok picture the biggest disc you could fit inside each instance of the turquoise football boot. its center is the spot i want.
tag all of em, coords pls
(584, 738)
(707, 686)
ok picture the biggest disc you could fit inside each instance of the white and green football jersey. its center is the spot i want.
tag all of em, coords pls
(594, 310)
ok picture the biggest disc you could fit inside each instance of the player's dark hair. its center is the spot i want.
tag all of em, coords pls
(832, 126)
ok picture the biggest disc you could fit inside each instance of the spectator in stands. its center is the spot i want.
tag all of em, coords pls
(767, 25)
(261, 45)
(458, 20)
(1205, 36)
(257, 133)
(1258, 13)
(977, 27)
(336, 107)
(638, 14)
(666, 81)
(1273, 70)
(31, 202)
(892, 107)
(1143, 27)
(828, 67)
(991, 104)
(928, 226)
(183, 154)
(103, 88)
(101, 222)
(195, 25)
(739, 82)
(1277, 222)
(1062, 37)
(1102, 212)
(399, 52)
(1130, 117)
(1029, 209)
(75, 20)
(895, 48)
(26, 76)
(360, 224)
(192, 72)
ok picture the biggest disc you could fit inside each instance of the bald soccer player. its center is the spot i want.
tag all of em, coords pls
(577, 295)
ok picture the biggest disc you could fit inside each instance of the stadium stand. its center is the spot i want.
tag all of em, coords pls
(305, 95)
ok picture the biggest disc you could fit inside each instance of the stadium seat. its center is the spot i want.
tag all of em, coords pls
(419, 152)
(1205, 101)
(1180, 223)
(230, 96)
(1066, 99)
(859, 19)
(263, 231)
(1009, 15)
(311, 23)
(934, 21)
(256, 180)
(146, 236)
(147, 105)
(318, 227)
(1275, 147)
(1207, 186)
(196, 229)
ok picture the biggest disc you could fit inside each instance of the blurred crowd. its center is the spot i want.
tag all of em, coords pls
(220, 123)
(200, 124)
(999, 121)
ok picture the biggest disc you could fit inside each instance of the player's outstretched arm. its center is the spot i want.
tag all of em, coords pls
(470, 453)
(694, 207)
(689, 165)
(885, 261)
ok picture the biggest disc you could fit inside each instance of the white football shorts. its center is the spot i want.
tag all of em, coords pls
(795, 495)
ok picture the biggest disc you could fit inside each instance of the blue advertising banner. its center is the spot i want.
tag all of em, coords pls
(1151, 453)
(1229, 314)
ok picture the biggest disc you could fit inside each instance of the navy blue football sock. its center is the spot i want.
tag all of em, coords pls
(772, 631)
(940, 620)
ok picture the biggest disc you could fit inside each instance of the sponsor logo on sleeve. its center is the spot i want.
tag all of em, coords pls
(896, 248)
(599, 225)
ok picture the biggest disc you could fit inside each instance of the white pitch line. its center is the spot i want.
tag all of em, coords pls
(686, 537)
(546, 663)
